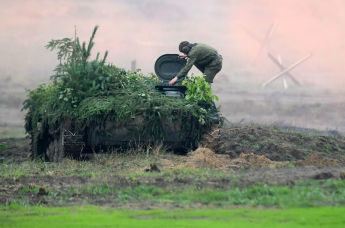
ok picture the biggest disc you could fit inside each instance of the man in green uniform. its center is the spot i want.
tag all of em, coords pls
(204, 57)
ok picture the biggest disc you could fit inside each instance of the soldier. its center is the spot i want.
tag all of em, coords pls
(204, 57)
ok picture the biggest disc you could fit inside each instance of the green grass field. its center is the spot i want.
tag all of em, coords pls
(114, 190)
(89, 216)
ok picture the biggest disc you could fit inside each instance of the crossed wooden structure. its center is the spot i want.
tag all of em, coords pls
(285, 71)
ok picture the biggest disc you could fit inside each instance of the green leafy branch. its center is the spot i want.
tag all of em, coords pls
(198, 90)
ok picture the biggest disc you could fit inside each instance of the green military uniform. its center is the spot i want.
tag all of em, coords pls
(206, 59)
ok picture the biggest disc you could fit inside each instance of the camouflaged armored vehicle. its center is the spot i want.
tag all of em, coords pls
(93, 106)
(176, 128)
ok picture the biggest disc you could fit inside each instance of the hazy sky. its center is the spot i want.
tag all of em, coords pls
(145, 29)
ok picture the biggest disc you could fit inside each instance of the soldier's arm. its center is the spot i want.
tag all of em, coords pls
(183, 72)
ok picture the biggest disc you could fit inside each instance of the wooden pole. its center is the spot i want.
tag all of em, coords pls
(264, 43)
(278, 63)
(285, 84)
(286, 70)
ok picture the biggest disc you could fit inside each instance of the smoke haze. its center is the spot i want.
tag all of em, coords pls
(145, 29)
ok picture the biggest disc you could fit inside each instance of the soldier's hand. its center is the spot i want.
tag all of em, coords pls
(183, 56)
(173, 81)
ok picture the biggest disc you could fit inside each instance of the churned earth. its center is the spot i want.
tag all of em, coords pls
(254, 165)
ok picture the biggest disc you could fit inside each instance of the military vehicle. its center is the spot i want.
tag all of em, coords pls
(72, 140)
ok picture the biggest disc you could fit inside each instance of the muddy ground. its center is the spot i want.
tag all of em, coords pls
(12, 189)
(280, 144)
(268, 156)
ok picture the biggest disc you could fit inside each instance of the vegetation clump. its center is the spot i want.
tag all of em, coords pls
(92, 91)
(2, 147)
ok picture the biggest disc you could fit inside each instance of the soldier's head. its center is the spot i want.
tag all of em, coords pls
(185, 47)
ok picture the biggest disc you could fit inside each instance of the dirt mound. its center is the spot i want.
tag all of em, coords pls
(205, 158)
(210, 139)
(278, 144)
(316, 159)
(248, 160)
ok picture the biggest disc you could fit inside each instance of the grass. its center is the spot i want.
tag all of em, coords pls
(184, 186)
(303, 194)
(130, 166)
(93, 169)
(88, 216)
(29, 189)
(12, 133)
(3, 147)
(117, 179)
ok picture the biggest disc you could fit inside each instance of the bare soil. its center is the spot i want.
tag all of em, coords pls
(274, 165)
(279, 144)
